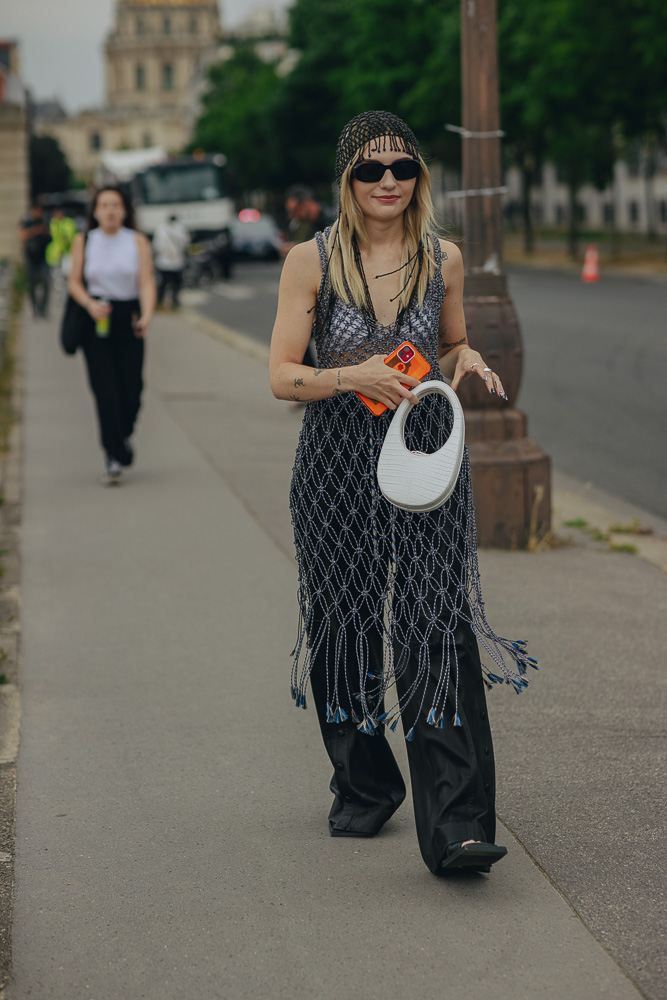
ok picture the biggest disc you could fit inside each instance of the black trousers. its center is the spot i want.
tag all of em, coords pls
(114, 364)
(451, 769)
(173, 280)
(39, 285)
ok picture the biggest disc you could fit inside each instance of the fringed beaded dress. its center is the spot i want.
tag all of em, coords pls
(390, 601)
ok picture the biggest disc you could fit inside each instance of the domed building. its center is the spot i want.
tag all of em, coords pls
(153, 54)
(154, 51)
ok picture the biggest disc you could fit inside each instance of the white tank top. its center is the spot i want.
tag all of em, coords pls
(111, 268)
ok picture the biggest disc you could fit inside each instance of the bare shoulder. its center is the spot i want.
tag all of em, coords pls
(142, 241)
(302, 265)
(304, 254)
(451, 255)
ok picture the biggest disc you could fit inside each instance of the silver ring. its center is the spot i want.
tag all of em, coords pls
(488, 369)
(475, 364)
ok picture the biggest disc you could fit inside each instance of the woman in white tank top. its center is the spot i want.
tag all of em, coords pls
(112, 278)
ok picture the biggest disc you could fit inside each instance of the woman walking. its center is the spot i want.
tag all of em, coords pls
(390, 601)
(112, 278)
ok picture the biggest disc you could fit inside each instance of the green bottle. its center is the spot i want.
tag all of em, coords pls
(102, 325)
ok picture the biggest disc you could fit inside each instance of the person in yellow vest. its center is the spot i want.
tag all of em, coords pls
(62, 230)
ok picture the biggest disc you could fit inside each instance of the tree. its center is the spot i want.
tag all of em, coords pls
(573, 78)
(49, 169)
(235, 120)
(405, 57)
(307, 114)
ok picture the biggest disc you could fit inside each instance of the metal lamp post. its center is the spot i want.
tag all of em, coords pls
(510, 472)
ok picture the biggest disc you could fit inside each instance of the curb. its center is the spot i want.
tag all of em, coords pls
(232, 338)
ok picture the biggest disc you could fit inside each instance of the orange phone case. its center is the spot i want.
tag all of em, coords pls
(414, 365)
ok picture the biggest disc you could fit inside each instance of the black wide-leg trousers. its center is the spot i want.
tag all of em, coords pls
(451, 769)
(115, 364)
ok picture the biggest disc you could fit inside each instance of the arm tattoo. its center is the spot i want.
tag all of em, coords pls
(297, 399)
(339, 392)
(448, 347)
(338, 375)
(298, 382)
(318, 371)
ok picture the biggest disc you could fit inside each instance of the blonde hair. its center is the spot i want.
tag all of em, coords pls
(346, 278)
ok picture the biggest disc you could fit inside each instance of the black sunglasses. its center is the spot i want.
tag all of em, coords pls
(372, 171)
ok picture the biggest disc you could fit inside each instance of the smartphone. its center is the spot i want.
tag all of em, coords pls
(406, 358)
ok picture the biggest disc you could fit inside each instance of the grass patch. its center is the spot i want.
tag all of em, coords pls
(632, 528)
(626, 529)
(588, 529)
(597, 535)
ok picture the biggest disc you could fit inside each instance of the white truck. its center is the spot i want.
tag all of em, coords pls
(194, 188)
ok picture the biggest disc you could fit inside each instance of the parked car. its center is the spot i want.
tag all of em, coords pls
(255, 235)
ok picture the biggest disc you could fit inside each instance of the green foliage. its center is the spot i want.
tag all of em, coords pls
(236, 114)
(49, 169)
(405, 58)
(576, 80)
(309, 111)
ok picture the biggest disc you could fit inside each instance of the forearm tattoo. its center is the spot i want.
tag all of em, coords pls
(297, 399)
(318, 371)
(448, 347)
(298, 382)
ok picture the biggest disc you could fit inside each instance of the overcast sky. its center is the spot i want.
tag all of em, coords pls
(61, 43)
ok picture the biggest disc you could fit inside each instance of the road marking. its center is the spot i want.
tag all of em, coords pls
(193, 296)
(235, 293)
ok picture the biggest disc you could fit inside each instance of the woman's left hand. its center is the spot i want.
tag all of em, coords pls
(469, 363)
(141, 327)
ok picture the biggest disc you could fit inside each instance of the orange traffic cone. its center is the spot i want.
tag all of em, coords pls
(591, 269)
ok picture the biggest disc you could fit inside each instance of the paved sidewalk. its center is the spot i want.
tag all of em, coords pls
(171, 831)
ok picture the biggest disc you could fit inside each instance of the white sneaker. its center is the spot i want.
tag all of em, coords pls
(113, 472)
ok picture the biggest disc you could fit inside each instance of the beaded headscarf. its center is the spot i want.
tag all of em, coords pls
(369, 128)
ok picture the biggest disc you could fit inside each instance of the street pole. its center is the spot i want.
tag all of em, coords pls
(510, 472)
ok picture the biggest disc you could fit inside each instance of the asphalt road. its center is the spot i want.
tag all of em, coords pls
(594, 377)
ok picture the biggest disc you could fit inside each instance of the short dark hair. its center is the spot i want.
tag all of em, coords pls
(300, 192)
(128, 222)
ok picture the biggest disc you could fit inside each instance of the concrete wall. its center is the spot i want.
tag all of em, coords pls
(14, 191)
(635, 203)
(85, 136)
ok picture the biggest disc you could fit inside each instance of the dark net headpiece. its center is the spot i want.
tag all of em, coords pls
(370, 127)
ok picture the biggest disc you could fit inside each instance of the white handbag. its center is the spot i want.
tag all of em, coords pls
(413, 480)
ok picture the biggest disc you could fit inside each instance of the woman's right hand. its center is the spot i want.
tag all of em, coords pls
(376, 379)
(97, 311)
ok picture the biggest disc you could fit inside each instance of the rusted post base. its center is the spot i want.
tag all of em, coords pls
(511, 487)
(510, 473)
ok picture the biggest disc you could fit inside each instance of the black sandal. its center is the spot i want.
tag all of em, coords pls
(476, 856)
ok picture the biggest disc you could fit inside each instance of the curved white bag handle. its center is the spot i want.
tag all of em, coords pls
(413, 480)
